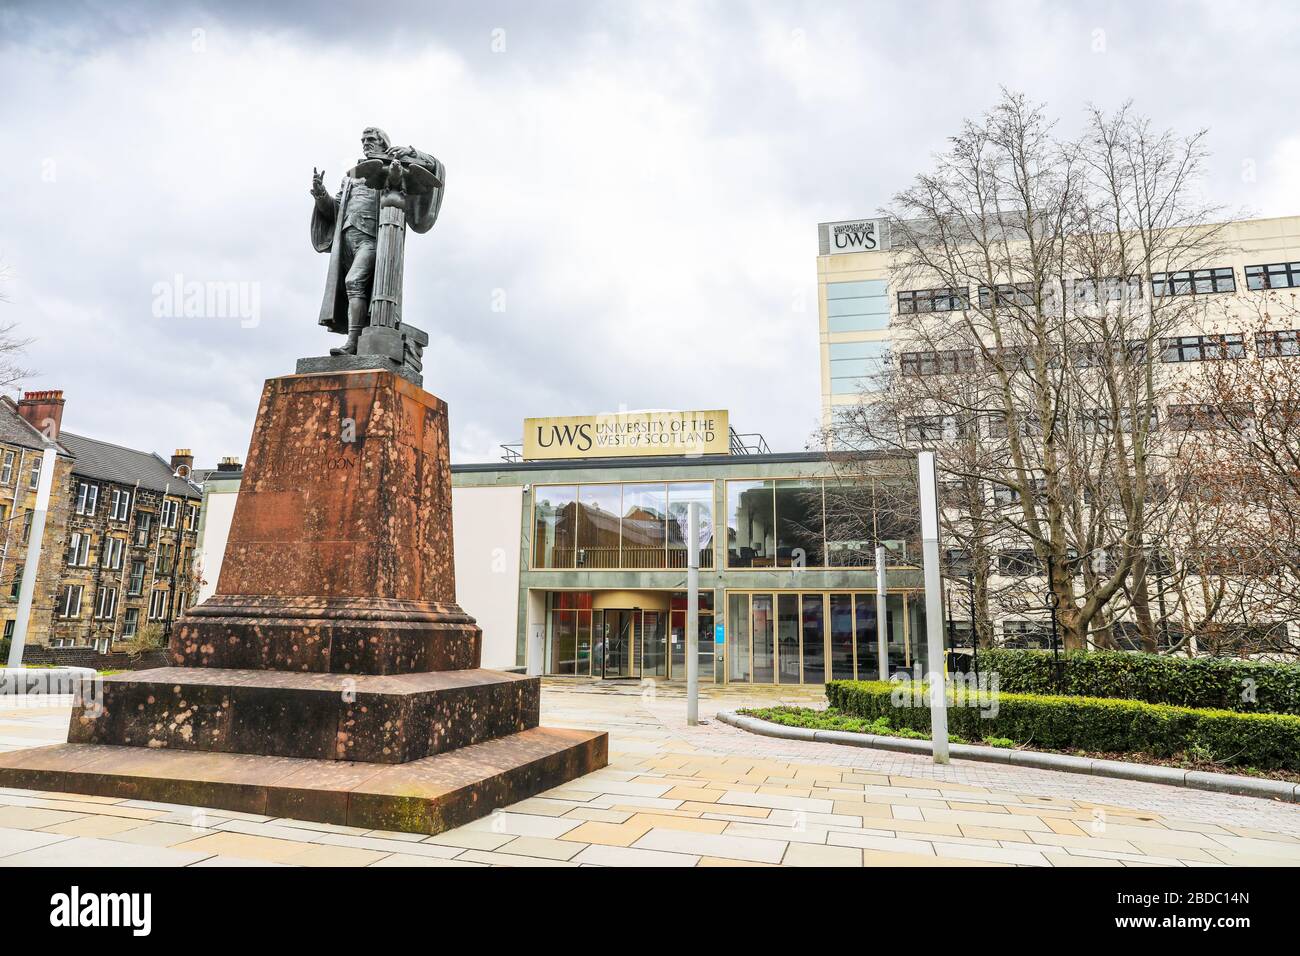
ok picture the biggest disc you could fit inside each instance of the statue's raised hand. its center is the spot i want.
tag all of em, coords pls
(317, 185)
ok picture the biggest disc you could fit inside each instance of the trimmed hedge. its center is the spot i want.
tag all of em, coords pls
(1265, 741)
(1214, 682)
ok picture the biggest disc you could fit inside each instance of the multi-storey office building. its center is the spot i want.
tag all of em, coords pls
(860, 302)
(869, 316)
(120, 536)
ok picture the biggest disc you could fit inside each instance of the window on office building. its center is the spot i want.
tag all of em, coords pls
(1276, 275)
(170, 511)
(7, 468)
(130, 621)
(191, 517)
(1280, 344)
(1099, 422)
(1018, 562)
(1108, 289)
(854, 366)
(923, 428)
(857, 306)
(1208, 416)
(34, 475)
(1005, 497)
(1007, 295)
(1202, 348)
(917, 301)
(928, 429)
(1036, 634)
(937, 363)
(1193, 282)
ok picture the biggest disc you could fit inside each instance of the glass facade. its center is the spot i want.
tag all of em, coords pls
(820, 523)
(857, 306)
(809, 637)
(855, 365)
(613, 526)
(788, 560)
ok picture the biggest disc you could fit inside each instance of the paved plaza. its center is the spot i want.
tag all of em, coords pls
(711, 795)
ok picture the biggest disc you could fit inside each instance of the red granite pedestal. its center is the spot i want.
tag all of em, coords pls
(332, 676)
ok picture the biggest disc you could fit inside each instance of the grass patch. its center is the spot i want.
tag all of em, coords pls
(1193, 758)
(833, 719)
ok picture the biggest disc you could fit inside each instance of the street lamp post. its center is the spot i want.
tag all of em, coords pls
(974, 628)
(693, 614)
(928, 486)
(1050, 600)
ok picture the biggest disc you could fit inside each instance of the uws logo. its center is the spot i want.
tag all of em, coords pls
(860, 236)
(576, 436)
(74, 908)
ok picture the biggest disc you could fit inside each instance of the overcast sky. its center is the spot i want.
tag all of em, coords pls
(633, 188)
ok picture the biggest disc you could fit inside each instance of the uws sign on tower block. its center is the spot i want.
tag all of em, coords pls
(853, 235)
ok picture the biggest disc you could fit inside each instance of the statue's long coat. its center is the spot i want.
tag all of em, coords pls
(327, 236)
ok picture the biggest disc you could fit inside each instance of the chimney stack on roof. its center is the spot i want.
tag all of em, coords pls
(43, 410)
(182, 462)
(230, 463)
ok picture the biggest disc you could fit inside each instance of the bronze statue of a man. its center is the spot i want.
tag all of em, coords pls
(393, 186)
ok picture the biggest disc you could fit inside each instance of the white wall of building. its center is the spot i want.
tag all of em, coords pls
(218, 512)
(486, 523)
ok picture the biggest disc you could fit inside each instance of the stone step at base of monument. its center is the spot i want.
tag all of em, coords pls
(364, 717)
(423, 796)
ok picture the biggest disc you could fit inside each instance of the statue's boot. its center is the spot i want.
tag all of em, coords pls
(350, 346)
(356, 322)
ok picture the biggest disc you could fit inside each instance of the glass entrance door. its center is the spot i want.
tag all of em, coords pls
(616, 647)
(654, 644)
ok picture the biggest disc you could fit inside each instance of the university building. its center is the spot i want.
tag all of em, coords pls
(120, 534)
(861, 300)
(573, 552)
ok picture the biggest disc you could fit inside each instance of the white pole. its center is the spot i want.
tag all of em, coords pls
(693, 614)
(27, 589)
(929, 496)
(882, 632)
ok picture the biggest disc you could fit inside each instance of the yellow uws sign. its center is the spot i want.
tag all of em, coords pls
(627, 434)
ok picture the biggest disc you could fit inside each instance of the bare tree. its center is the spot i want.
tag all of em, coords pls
(12, 347)
(1030, 359)
(1247, 473)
